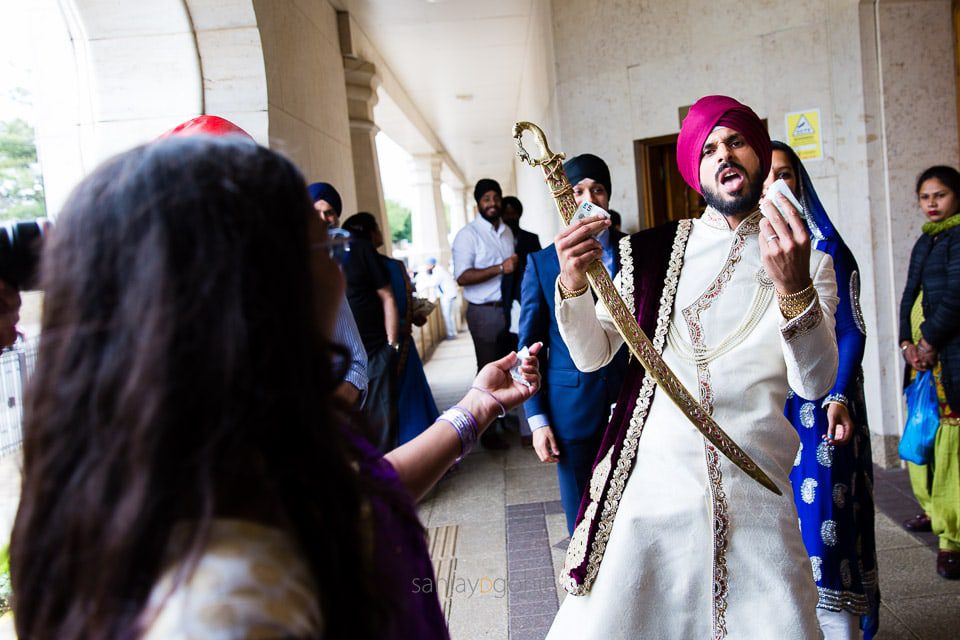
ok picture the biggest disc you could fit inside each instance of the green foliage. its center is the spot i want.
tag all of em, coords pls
(4, 579)
(401, 221)
(21, 185)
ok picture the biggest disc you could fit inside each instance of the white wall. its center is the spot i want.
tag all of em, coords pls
(538, 104)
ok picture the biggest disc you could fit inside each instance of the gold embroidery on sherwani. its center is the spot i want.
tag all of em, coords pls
(805, 322)
(718, 497)
(626, 274)
(578, 547)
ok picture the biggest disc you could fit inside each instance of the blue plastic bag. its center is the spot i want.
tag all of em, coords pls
(923, 419)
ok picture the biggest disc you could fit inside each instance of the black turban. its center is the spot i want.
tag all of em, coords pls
(590, 166)
(484, 185)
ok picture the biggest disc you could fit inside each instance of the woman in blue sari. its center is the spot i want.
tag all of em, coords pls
(416, 407)
(832, 476)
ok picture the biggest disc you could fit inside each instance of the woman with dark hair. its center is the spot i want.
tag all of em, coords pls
(930, 340)
(188, 470)
(416, 407)
(833, 485)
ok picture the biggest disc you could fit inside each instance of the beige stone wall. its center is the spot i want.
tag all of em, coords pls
(880, 73)
(917, 128)
(307, 92)
(538, 104)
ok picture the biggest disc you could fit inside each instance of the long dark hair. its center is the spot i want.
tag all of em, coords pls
(180, 365)
(949, 176)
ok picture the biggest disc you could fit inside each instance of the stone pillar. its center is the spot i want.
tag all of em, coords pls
(362, 83)
(429, 224)
(459, 211)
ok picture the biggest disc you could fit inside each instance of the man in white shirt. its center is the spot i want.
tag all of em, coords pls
(483, 252)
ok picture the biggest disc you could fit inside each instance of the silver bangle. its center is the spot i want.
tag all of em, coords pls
(839, 398)
(503, 409)
(465, 425)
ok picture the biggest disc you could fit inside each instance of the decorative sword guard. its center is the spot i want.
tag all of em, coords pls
(637, 342)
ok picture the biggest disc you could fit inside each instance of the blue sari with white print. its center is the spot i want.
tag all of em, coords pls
(833, 484)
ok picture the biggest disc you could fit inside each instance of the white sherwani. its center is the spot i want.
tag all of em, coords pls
(698, 549)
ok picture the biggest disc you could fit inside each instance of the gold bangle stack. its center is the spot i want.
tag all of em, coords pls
(793, 304)
(566, 294)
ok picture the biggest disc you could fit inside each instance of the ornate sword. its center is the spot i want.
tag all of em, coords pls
(638, 343)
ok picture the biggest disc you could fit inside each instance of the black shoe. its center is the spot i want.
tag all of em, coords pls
(918, 523)
(493, 440)
(948, 564)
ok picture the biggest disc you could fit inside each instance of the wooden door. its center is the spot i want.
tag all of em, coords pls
(663, 194)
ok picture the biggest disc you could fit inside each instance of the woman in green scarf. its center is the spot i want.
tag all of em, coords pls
(930, 339)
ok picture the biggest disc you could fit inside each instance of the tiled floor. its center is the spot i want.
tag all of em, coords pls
(512, 537)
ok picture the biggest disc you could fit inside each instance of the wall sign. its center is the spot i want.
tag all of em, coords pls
(803, 134)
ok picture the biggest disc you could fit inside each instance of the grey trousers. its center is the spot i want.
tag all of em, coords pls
(488, 328)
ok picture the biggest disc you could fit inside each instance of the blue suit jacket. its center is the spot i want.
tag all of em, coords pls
(576, 404)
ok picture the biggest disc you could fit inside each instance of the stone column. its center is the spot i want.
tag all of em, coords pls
(429, 224)
(459, 211)
(362, 83)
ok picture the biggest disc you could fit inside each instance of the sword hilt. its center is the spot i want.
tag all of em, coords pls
(546, 155)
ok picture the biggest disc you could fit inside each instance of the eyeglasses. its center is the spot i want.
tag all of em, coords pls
(337, 245)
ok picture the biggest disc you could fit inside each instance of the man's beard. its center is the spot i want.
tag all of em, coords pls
(490, 214)
(746, 202)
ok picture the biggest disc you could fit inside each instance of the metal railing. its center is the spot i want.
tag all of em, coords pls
(16, 365)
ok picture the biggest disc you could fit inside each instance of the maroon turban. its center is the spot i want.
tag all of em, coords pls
(206, 125)
(708, 113)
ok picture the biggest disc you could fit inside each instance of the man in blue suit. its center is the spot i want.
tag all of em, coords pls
(570, 413)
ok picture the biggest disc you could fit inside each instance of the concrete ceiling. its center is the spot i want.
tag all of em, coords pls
(460, 62)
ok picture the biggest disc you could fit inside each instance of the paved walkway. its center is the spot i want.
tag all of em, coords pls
(499, 536)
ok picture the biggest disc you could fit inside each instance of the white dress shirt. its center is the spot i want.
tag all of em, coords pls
(478, 246)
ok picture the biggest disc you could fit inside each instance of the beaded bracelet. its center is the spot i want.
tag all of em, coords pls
(503, 409)
(793, 304)
(465, 425)
(566, 294)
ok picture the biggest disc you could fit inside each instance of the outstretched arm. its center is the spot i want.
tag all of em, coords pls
(421, 462)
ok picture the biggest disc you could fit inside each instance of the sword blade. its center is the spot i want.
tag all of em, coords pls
(643, 350)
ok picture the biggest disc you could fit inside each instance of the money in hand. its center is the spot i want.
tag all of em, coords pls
(515, 369)
(587, 210)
